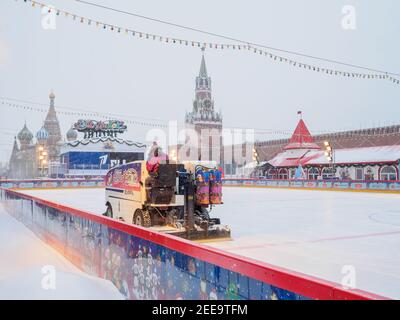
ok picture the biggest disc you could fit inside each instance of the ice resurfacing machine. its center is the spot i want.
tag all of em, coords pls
(178, 200)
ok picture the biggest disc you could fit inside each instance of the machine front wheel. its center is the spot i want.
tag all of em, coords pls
(142, 218)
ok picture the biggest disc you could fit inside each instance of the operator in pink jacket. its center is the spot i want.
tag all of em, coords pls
(156, 156)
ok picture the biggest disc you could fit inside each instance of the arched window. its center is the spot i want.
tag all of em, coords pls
(271, 174)
(283, 174)
(313, 174)
(388, 173)
(328, 173)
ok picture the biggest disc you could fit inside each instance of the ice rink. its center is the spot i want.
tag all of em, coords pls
(320, 233)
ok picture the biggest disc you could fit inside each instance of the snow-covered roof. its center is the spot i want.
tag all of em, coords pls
(341, 156)
(254, 164)
(363, 155)
(103, 144)
(288, 159)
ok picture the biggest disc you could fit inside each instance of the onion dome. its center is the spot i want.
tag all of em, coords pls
(42, 134)
(25, 135)
(72, 134)
(52, 95)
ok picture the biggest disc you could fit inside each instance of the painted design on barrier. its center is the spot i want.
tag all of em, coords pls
(140, 269)
(324, 185)
(125, 177)
(359, 185)
(394, 186)
(27, 185)
(342, 185)
(296, 184)
(310, 184)
(378, 186)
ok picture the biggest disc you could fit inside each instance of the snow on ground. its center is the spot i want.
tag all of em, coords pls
(315, 232)
(23, 268)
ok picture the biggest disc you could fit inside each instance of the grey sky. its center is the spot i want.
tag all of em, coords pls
(93, 69)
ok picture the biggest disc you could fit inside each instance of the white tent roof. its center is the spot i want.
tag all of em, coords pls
(362, 155)
(342, 156)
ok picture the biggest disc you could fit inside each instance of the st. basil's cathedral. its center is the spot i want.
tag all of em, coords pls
(31, 159)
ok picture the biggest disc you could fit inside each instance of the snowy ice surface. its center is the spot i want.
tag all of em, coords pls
(23, 258)
(314, 232)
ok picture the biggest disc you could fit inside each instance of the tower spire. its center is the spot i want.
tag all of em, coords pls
(15, 146)
(203, 68)
(52, 126)
(203, 116)
(15, 150)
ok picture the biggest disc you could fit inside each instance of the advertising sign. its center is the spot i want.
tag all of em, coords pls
(125, 177)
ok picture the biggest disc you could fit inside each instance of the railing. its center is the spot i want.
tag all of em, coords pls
(373, 185)
(89, 166)
(144, 264)
(57, 168)
(86, 172)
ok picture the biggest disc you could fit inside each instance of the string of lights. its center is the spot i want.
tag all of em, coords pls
(82, 110)
(213, 45)
(69, 111)
(295, 53)
(29, 108)
(83, 113)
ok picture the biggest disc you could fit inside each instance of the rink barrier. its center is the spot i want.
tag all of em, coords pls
(335, 185)
(144, 264)
(342, 185)
(51, 183)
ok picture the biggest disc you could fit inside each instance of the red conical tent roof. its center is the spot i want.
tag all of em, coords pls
(301, 138)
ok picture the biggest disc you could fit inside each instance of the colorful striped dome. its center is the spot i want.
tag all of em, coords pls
(42, 134)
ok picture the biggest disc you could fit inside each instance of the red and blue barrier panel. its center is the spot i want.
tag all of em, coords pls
(144, 264)
(375, 185)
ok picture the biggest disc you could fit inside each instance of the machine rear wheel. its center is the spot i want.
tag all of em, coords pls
(142, 218)
(109, 212)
